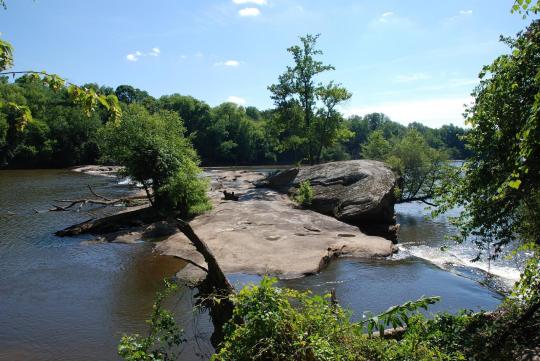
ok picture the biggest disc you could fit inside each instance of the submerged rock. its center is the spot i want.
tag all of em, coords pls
(358, 192)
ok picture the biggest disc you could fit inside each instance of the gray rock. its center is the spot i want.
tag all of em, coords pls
(265, 233)
(359, 192)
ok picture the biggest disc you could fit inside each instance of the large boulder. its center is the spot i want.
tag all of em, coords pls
(359, 192)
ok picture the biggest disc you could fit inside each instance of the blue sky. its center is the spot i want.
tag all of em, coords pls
(413, 60)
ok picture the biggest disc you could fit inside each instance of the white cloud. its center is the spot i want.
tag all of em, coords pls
(136, 55)
(431, 112)
(236, 100)
(228, 63)
(256, 2)
(406, 78)
(131, 57)
(199, 54)
(249, 12)
(465, 12)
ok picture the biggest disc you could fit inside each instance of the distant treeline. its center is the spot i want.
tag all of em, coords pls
(62, 134)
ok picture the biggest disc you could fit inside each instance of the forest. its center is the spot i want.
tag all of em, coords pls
(63, 134)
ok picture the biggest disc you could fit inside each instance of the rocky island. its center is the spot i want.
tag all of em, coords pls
(264, 232)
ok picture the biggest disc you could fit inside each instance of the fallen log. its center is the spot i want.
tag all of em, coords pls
(112, 223)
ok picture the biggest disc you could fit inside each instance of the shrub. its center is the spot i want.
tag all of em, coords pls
(271, 323)
(304, 196)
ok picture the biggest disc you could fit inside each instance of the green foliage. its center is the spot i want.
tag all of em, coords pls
(304, 196)
(498, 186)
(525, 7)
(397, 316)
(222, 135)
(303, 127)
(270, 323)
(6, 55)
(420, 166)
(376, 146)
(154, 152)
(163, 338)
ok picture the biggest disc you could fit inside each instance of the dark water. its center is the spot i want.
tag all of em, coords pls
(62, 299)
(67, 299)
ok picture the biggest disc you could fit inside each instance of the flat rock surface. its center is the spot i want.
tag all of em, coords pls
(264, 233)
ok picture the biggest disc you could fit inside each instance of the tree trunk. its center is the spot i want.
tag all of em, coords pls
(215, 290)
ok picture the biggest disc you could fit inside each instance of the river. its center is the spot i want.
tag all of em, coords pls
(72, 299)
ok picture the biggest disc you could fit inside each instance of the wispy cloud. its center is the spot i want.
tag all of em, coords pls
(385, 16)
(256, 2)
(461, 15)
(249, 12)
(228, 63)
(406, 78)
(393, 19)
(135, 56)
(236, 100)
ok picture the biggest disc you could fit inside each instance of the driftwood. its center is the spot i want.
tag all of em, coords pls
(99, 200)
(112, 223)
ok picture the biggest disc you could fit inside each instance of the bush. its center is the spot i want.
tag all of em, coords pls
(271, 323)
(304, 196)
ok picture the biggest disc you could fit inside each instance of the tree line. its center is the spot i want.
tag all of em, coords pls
(62, 133)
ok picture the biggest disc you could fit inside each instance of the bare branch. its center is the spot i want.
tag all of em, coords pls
(97, 195)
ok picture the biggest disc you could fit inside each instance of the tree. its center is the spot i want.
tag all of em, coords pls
(328, 125)
(501, 179)
(154, 152)
(376, 147)
(17, 116)
(420, 167)
(296, 95)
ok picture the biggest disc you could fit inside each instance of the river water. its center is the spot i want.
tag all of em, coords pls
(72, 299)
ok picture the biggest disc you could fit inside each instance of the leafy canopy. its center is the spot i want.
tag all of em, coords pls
(155, 153)
(307, 119)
